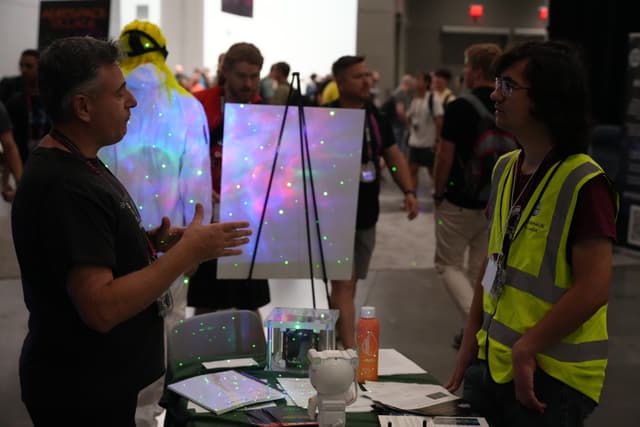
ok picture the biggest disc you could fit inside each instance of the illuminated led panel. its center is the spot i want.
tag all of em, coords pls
(249, 146)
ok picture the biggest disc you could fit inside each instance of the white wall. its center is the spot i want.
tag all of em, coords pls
(18, 31)
(308, 34)
(183, 27)
(128, 11)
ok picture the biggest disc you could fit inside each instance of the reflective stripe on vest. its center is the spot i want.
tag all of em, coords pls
(538, 275)
(529, 283)
(498, 170)
(563, 352)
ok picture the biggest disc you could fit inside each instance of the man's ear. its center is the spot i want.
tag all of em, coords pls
(81, 107)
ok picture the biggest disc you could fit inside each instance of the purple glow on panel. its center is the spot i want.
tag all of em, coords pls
(335, 143)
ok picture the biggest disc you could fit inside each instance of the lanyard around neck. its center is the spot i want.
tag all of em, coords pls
(509, 237)
(113, 183)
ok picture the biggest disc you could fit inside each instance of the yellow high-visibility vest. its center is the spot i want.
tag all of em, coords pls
(538, 274)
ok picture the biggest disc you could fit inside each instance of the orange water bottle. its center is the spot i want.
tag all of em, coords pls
(368, 338)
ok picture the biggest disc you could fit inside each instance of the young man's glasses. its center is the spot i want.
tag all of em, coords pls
(506, 87)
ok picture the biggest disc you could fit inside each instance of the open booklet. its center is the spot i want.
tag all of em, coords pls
(224, 391)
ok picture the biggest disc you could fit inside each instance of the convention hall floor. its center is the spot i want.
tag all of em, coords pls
(418, 317)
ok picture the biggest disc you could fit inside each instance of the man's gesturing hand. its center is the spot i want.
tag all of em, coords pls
(208, 241)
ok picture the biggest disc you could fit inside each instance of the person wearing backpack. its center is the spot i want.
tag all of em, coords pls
(424, 119)
(440, 86)
(469, 146)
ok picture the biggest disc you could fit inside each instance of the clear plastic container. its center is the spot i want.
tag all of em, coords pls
(291, 332)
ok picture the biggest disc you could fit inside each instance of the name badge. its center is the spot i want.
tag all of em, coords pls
(368, 172)
(494, 277)
(489, 276)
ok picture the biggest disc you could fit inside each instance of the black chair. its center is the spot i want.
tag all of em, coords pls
(218, 335)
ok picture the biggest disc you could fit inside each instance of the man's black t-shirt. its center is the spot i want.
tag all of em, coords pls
(65, 214)
(378, 128)
(460, 127)
(5, 122)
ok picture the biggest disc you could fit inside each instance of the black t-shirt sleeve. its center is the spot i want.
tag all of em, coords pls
(387, 133)
(85, 225)
(5, 122)
(460, 122)
(384, 125)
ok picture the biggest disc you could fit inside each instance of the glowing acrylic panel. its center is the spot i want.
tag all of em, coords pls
(335, 143)
(224, 391)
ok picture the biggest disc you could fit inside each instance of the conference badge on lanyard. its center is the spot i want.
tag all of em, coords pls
(495, 276)
(368, 172)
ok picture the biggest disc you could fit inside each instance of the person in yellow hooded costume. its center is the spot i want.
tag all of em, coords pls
(163, 160)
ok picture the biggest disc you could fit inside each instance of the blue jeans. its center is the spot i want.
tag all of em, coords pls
(566, 407)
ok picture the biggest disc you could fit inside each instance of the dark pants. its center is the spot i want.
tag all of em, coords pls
(566, 407)
(422, 156)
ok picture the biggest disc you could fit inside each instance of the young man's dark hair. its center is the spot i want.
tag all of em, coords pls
(426, 77)
(31, 52)
(283, 68)
(59, 80)
(344, 62)
(482, 57)
(558, 90)
(240, 52)
(443, 73)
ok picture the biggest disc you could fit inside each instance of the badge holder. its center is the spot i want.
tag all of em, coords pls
(368, 172)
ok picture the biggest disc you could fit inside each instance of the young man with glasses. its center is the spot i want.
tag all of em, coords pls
(534, 351)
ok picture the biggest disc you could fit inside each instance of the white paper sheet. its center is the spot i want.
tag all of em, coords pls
(230, 363)
(392, 362)
(417, 421)
(403, 421)
(408, 396)
(301, 389)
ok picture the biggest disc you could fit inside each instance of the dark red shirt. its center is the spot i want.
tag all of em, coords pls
(595, 212)
(212, 100)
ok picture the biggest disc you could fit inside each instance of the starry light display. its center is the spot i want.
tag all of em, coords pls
(249, 145)
(163, 160)
(224, 391)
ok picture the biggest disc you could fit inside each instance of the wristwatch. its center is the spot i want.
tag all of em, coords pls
(407, 192)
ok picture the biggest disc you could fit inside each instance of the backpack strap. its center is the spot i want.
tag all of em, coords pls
(477, 105)
(430, 102)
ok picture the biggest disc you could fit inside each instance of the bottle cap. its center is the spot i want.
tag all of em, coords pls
(367, 312)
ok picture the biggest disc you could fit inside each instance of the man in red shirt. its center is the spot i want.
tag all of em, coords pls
(240, 84)
(241, 70)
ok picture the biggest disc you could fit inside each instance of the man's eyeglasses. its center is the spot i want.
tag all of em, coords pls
(506, 87)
